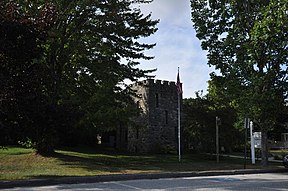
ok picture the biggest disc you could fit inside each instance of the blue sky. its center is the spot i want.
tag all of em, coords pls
(177, 46)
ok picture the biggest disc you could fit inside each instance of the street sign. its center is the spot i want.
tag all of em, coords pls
(257, 140)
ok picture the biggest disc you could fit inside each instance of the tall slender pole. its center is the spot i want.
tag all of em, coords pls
(217, 139)
(252, 146)
(246, 124)
(179, 129)
(179, 93)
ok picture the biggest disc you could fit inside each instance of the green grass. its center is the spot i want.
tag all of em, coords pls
(20, 163)
(278, 154)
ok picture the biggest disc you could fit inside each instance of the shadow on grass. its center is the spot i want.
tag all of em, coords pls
(90, 162)
(108, 162)
(105, 162)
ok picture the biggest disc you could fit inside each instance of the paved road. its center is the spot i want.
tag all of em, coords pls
(261, 182)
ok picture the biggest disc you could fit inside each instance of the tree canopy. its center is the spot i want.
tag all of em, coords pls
(200, 118)
(247, 42)
(63, 65)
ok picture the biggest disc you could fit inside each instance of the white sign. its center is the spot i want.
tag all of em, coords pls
(257, 139)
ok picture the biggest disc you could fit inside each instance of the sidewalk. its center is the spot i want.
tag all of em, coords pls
(119, 177)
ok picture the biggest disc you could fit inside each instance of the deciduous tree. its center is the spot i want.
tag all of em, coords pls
(247, 41)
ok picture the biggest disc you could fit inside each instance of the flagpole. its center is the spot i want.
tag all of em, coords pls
(179, 93)
(179, 129)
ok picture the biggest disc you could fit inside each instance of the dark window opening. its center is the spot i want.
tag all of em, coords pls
(166, 116)
(157, 99)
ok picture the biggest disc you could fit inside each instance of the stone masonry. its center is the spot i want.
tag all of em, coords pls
(156, 127)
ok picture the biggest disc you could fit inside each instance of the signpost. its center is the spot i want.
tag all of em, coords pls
(218, 122)
(246, 126)
(252, 143)
(257, 139)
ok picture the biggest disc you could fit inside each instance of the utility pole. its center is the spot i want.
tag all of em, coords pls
(246, 126)
(218, 122)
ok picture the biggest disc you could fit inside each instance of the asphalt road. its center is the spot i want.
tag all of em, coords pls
(261, 182)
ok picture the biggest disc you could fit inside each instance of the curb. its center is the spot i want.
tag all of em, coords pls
(121, 177)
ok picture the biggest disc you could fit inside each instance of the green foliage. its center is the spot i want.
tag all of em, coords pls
(27, 143)
(199, 124)
(279, 157)
(166, 149)
(93, 48)
(199, 132)
(63, 66)
(23, 99)
(247, 41)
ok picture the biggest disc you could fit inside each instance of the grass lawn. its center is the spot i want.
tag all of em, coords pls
(20, 163)
(278, 154)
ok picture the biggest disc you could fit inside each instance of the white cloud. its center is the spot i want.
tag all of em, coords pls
(169, 11)
(177, 46)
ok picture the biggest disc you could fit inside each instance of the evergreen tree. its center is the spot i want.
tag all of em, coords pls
(88, 52)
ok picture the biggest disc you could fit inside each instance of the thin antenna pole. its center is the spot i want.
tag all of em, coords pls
(179, 92)
(179, 129)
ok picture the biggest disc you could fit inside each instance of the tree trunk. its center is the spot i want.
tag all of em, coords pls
(264, 148)
(45, 148)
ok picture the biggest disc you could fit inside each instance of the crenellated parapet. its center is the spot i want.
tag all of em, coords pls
(158, 83)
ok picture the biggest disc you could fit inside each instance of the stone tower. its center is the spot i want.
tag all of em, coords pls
(156, 127)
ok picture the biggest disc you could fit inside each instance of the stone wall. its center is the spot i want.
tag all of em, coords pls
(156, 126)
